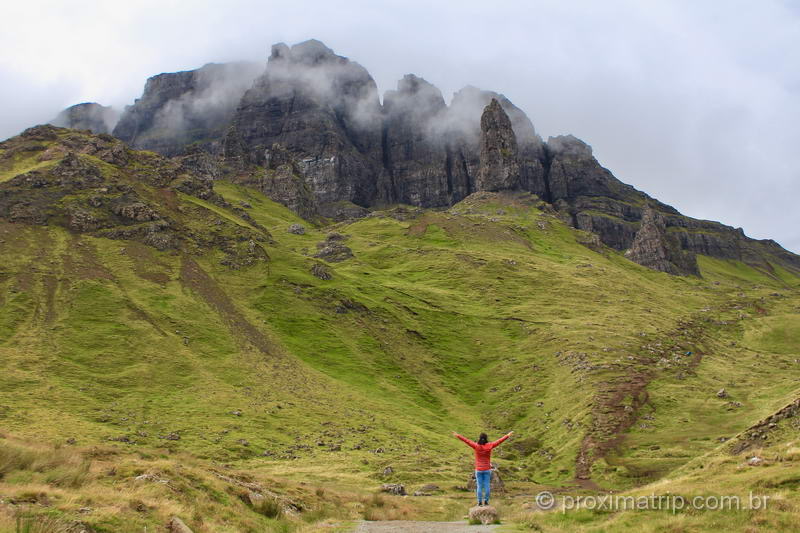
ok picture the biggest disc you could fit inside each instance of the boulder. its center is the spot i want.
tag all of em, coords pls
(176, 525)
(333, 251)
(297, 229)
(394, 488)
(321, 271)
(484, 514)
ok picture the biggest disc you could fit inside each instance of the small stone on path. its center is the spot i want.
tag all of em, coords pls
(408, 526)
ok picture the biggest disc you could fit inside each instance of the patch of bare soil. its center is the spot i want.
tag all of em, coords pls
(196, 279)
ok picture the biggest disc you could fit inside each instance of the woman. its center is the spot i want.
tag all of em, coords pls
(483, 463)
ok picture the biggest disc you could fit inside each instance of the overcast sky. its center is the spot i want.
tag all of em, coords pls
(696, 103)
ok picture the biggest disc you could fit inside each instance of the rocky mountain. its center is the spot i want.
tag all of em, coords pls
(312, 133)
(87, 116)
(419, 163)
(325, 111)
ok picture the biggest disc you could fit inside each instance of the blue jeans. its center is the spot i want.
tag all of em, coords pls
(483, 484)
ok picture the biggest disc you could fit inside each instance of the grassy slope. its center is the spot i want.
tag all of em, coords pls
(490, 315)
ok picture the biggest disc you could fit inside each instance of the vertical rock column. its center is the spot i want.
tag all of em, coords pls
(499, 166)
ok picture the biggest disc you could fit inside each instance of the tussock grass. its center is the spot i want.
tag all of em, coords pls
(25, 523)
(54, 465)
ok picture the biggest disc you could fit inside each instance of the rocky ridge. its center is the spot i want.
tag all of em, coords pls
(98, 186)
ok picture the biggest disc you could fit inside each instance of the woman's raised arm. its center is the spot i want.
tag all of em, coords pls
(465, 440)
(501, 439)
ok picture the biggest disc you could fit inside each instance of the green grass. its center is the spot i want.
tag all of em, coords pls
(20, 164)
(217, 210)
(489, 316)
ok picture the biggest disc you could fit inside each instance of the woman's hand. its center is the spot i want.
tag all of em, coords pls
(510, 433)
(455, 434)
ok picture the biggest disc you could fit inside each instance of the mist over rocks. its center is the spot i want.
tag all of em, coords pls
(324, 109)
(574, 172)
(181, 108)
(417, 159)
(310, 131)
(464, 123)
(87, 116)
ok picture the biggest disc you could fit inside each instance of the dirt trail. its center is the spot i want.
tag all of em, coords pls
(408, 526)
(612, 415)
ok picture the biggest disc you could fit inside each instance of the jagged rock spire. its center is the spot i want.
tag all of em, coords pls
(499, 169)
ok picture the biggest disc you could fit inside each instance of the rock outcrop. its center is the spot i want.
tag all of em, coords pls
(176, 525)
(654, 248)
(499, 167)
(463, 126)
(417, 159)
(393, 488)
(574, 172)
(324, 109)
(281, 180)
(87, 116)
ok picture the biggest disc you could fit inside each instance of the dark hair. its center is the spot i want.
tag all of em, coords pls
(483, 439)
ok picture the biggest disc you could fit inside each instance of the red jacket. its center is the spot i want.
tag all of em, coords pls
(483, 452)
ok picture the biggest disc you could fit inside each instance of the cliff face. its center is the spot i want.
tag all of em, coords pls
(87, 116)
(417, 158)
(311, 132)
(324, 109)
(181, 108)
(463, 129)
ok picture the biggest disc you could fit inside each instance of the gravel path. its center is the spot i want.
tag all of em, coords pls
(408, 526)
